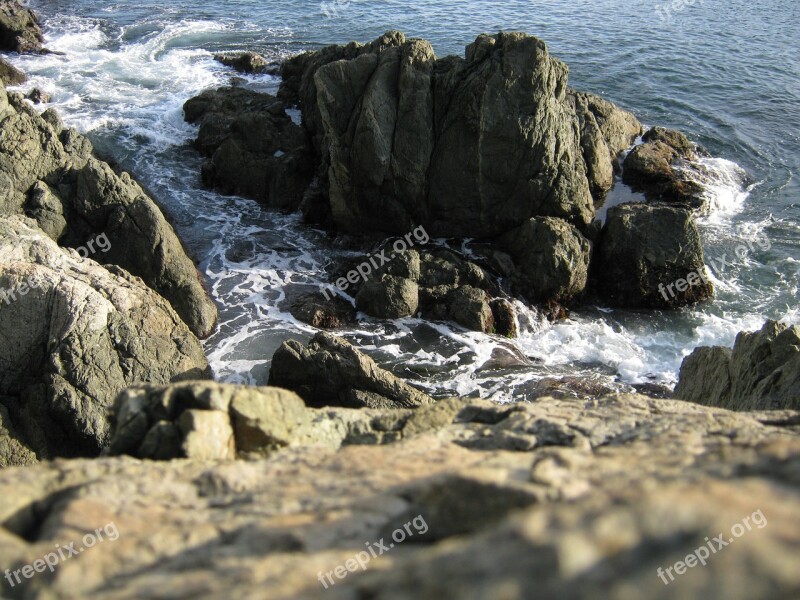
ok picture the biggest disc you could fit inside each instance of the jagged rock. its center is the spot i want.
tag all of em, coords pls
(552, 257)
(19, 28)
(331, 372)
(662, 168)
(245, 62)
(10, 75)
(575, 499)
(253, 146)
(49, 173)
(650, 256)
(74, 334)
(762, 372)
(37, 96)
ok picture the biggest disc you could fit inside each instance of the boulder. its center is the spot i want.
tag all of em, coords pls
(650, 256)
(470, 307)
(244, 62)
(207, 435)
(10, 75)
(20, 30)
(38, 96)
(762, 372)
(331, 372)
(253, 147)
(323, 312)
(552, 258)
(389, 297)
(663, 167)
(50, 173)
(74, 334)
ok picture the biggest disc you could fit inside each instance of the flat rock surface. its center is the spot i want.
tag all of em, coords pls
(558, 499)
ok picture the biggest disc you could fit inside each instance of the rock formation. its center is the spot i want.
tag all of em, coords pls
(49, 172)
(74, 334)
(331, 372)
(761, 372)
(20, 30)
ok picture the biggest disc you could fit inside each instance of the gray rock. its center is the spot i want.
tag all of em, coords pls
(389, 297)
(74, 334)
(470, 308)
(762, 372)
(552, 257)
(331, 312)
(19, 28)
(14, 452)
(650, 256)
(331, 372)
(43, 166)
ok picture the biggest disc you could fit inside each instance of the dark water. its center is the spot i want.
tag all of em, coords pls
(726, 73)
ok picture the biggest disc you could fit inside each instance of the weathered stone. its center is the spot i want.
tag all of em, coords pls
(470, 308)
(13, 450)
(331, 372)
(245, 62)
(10, 75)
(266, 420)
(75, 334)
(207, 435)
(318, 311)
(762, 372)
(650, 256)
(389, 297)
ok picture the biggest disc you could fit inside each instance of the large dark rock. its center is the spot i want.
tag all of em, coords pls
(650, 256)
(552, 257)
(245, 62)
(73, 334)
(331, 372)
(762, 372)
(49, 173)
(254, 148)
(19, 28)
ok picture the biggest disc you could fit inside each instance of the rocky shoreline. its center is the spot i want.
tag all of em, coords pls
(108, 415)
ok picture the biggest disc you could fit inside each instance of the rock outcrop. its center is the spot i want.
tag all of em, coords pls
(10, 75)
(650, 256)
(762, 372)
(331, 372)
(253, 147)
(244, 62)
(466, 499)
(665, 168)
(49, 172)
(20, 30)
(74, 334)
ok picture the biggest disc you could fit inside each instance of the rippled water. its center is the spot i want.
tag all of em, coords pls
(726, 73)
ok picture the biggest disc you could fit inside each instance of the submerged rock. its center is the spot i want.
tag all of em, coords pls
(74, 334)
(762, 372)
(50, 173)
(331, 372)
(244, 62)
(650, 256)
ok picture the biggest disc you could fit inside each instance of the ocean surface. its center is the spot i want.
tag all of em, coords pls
(727, 73)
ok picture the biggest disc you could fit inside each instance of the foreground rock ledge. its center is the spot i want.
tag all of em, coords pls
(559, 499)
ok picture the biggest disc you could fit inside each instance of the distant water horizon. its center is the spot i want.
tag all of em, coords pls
(729, 79)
